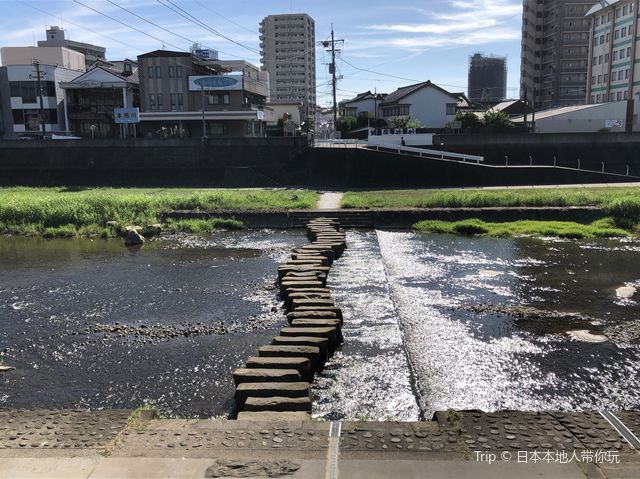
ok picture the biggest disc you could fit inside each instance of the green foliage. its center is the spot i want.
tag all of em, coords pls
(620, 202)
(364, 119)
(346, 123)
(406, 122)
(470, 121)
(59, 212)
(497, 121)
(203, 226)
(563, 229)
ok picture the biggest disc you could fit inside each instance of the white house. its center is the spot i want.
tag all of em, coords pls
(432, 105)
(363, 102)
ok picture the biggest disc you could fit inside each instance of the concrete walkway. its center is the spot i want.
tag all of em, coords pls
(329, 200)
(111, 444)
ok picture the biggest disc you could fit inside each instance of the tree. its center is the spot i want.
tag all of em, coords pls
(406, 122)
(346, 123)
(364, 119)
(497, 121)
(469, 120)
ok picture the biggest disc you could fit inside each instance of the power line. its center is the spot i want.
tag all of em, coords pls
(184, 14)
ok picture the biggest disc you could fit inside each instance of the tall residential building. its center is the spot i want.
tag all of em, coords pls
(555, 52)
(287, 44)
(614, 64)
(56, 38)
(487, 78)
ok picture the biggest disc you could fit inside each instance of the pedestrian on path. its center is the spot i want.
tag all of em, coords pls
(402, 141)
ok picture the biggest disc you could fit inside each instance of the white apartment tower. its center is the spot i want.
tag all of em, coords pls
(614, 65)
(287, 49)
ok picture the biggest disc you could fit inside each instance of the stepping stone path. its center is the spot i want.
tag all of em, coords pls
(275, 385)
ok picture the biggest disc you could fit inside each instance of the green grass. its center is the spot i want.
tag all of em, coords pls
(625, 199)
(61, 212)
(604, 228)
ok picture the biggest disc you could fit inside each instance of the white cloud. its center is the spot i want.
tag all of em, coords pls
(460, 23)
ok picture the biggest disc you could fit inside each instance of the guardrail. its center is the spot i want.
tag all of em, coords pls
(344, 143)
(426, 153)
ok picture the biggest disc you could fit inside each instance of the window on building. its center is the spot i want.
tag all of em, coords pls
(620, 73)
(172, 99)
(595, 61)
(601, 39)
(623, 32)
(605, 78)
(451, 108)
(598, 98)
(180, 99)
(127, 68)
(615, 55)
(606, 58)
(600, 60)
(593, 80)
(597, 21)
(608, 37)
(616, 34)
(618, 12)
(619, 96)
(158, 72)
(150, 71)
(621, 54)
(152, 100)
(599, 79)
(628, 52)
(609, 16)
(624, 12)
(626, 74)
(160, 102)
(179, 71)
(172, 71)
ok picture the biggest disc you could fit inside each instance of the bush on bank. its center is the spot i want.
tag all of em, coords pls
(603, 228)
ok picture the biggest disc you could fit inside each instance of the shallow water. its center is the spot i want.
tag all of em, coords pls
(54, 293)
(429, 323)
(491, 360)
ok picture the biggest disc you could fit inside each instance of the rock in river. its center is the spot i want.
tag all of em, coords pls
(133, 238)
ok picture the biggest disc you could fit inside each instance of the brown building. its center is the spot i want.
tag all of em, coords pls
(555, 52)
(91, 98)
(180, 92)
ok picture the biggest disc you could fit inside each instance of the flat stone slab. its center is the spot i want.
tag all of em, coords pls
(312, 314)
(321, 343)
(319, 309)
(310, 352)
(298, 295)
(284, 285)
(291, 389)
(302, 365)
(256, 375)
(328, 333)
(278, 404)
(266, 416)
(300, 289)
(324, 261)
(315, 323)
(297, 302)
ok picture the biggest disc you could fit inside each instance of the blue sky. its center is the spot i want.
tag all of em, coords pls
(415, 40)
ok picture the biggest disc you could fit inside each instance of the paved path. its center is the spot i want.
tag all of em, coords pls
(104, 444)
(329, 200)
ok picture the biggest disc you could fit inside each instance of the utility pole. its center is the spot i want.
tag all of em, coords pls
(332, 70)
(204, 122)
(36, 63)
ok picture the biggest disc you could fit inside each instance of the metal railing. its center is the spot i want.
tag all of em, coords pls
(339, 143)
(431, 154)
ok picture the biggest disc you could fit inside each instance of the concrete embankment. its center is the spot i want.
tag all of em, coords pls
(398, 218)
(275, 384)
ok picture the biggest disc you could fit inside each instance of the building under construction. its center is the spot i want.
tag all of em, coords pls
(487, 78)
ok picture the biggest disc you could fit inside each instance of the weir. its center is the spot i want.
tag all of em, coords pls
(275, 385)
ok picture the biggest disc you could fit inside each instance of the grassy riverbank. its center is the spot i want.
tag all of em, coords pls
(604, 228)
(607, 197)
(61, 212)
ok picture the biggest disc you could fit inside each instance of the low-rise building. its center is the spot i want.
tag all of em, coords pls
(21, 102)
(90, 99)
(615, 117)
(182, 94)
(56, 38)
(363, 102)
(432, 105)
